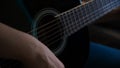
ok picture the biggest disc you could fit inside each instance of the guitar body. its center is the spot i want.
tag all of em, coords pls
(22, 16)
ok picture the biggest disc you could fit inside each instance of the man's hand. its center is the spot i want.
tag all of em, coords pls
(18, 45)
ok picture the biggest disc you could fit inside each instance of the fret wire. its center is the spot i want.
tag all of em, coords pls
(93, 6)
(108, 7)
(76, 18)
(65, 27)
(94, 14)
(87, 6)
(96, 5)
(104, 6)
(105, 2)
(82, 17)
(91, 13)
(105, 9)
(67, 23)
(90, 4)
(101, 13)
(100, 10)
(75, 22)
(115, 5)
(82, 11)
(90, 16)
(101, 1)
(91, 10)
(87, 13)
(110, 0)
(98, 13)
(81, 14)
(72, 21)
(96, 8)
(99, 4)
(112, 5)
(79, 18)
(118, 3)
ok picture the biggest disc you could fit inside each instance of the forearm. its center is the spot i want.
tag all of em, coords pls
(12, 42)
(26, 48)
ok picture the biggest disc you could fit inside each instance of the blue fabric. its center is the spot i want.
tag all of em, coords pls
(101, 56)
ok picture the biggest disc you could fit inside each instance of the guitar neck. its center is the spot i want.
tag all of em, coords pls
(82, 15)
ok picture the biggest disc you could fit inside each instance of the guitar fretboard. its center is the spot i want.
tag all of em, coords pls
(82, 15)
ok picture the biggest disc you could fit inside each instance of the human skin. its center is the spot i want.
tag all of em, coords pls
(15, 44)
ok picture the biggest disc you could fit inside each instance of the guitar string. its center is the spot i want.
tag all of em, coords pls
(45, 24)
(52, 42)
(49, 28)
(57, 23)
(56, 40)
(49, 31)
(60, 14)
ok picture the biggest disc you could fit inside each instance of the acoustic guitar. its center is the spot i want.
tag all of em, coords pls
(59, 24)
(52, 26)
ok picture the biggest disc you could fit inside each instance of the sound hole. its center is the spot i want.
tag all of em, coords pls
(51, 31)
